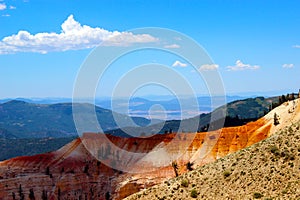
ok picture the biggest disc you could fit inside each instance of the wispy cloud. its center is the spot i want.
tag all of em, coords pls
(12, 7)
(288, 66)
(179, 64)
(73, 36)
(239, 66)
(172, 46)
(296, 46)
(3, 6)
(5, 15)
(208, 67)
(178, 38)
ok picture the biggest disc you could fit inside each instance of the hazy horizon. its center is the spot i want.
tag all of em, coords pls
(165, 96)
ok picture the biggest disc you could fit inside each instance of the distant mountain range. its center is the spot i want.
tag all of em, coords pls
(235, 113)
(173, 109)
(19, 119)
(139, 107)
(27, 123)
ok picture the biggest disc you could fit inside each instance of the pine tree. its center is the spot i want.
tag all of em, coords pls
(280, 101)
(21, 195)
(276, 119)
(107, 196)
(189, 166)
(58, 194)
(292, 97)
(44, 195)
(175, 168)
(31, 194)
(47, 171)
(14, 196)
(86, 169)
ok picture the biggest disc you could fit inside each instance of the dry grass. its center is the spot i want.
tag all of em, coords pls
(269, 169)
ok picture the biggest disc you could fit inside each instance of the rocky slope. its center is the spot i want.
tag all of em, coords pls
(269, 169)
(73, 172)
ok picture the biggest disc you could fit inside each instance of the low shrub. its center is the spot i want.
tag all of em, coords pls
(226, 174)
(274, 149)
(257, 195)
(185, 183)
(194, 193)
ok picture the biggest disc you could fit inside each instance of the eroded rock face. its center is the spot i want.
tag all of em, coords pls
(73, 172)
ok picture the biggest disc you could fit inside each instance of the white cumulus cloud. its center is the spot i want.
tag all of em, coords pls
(288, 65)
(179, 64)
(172, 46)
(208, 67)
(239, 66)
(2, 6)
(73, 36)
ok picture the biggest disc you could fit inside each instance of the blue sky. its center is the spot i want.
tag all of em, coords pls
(255, 45)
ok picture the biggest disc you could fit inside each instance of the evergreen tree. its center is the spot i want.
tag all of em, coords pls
(14, 196)
(58, 194)
(107, 196)
(86, 169)
(99, 163)
(280, 101)
(175, 168)
(31, 194)
(47, 171)
(292, 97)
(276, 119)
(189, 166)
(44, 195)
(21, 195)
